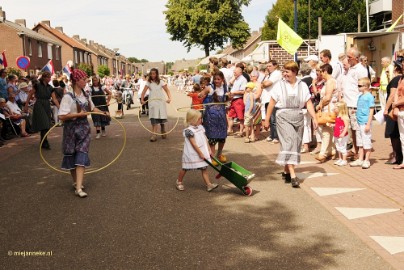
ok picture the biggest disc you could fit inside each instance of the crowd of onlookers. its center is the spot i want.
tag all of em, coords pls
(346, 87)
(16, 110)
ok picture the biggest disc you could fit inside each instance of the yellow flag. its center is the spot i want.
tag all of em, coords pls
(391, 28)
(287, 38)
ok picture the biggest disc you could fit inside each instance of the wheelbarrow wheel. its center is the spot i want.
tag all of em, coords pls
(247, 190)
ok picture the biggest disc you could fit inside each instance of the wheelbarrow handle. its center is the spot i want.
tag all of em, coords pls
(210, 163)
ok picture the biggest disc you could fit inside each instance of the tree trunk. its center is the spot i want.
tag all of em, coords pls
(206, 48)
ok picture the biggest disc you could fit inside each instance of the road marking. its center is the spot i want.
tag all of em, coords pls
(313, 175)
(392, 244)
(332, 191)
(353, 213)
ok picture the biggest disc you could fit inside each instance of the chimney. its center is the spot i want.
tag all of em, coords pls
(59, 28)
(2, 15)
(84, 40)
(76, 37)
(46, 22)
(21, 22)
(91, 42)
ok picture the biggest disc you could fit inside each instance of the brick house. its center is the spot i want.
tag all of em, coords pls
(98, 56)
(71, 48)
(18, 40)
(248, 48)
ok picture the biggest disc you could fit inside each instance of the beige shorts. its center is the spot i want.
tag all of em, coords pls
(248, 120)
(352, 119)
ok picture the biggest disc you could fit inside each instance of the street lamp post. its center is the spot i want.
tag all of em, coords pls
(116, 61)
(295, 23)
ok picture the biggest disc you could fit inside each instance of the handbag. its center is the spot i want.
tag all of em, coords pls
(393, 113)
(324, 118)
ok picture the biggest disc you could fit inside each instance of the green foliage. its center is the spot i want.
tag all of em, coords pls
(207, 24)
(136, 60)
(86, 68)
(337, 17)
(169, 65)
(103, 71)
(14, 71)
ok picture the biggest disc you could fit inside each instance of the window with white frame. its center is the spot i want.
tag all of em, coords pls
(39, 49)
(50, 51)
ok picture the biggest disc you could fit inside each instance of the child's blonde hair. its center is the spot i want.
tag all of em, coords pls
(365, 81)
(192, 117)
(342, 109)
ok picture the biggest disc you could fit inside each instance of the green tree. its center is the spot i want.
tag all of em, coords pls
(103, 71)
(14, 71)
(207, 24)
(136, 60)
(337, 17)
(86, 68)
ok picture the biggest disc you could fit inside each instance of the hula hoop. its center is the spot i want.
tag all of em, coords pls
(87, 171)
(111, 103)
(181, 109)
(152, 132)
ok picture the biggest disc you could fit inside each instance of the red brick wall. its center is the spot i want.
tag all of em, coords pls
(398, 9)
(12, 43)
(281, 56)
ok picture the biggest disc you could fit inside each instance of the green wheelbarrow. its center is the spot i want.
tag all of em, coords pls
(236, 174)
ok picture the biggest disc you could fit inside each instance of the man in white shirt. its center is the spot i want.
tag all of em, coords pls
(350, 88)
(274, 76)
(325, 57)
(16, 114)
(236, 109)
(227, 72)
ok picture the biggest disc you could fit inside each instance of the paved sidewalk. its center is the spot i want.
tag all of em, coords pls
(369, 202)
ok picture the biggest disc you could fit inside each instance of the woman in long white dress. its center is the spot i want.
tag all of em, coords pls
(157, 102)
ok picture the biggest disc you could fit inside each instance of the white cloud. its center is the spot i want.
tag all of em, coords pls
(136, 27)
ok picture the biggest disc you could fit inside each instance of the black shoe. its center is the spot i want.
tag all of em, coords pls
(295, 182)
(286, 177)
(46, 146)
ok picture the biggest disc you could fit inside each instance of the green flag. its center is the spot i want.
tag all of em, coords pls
(391, 28)
(287, 38)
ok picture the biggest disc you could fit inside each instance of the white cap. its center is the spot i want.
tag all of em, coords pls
(311, 57)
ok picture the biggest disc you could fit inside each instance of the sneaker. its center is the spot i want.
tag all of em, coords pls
(269, 139)
(366, 164)
(295, 182)
(98, 136)
(103, 133)
(356, 163)
(222, 158)
(343, 163)
(275, 141)
(80, 193)
(211, 187)
(179, 186)
(337, 162)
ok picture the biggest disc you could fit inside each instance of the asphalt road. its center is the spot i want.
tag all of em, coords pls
(134, 218)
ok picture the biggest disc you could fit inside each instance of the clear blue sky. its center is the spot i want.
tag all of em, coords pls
(136, 27)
